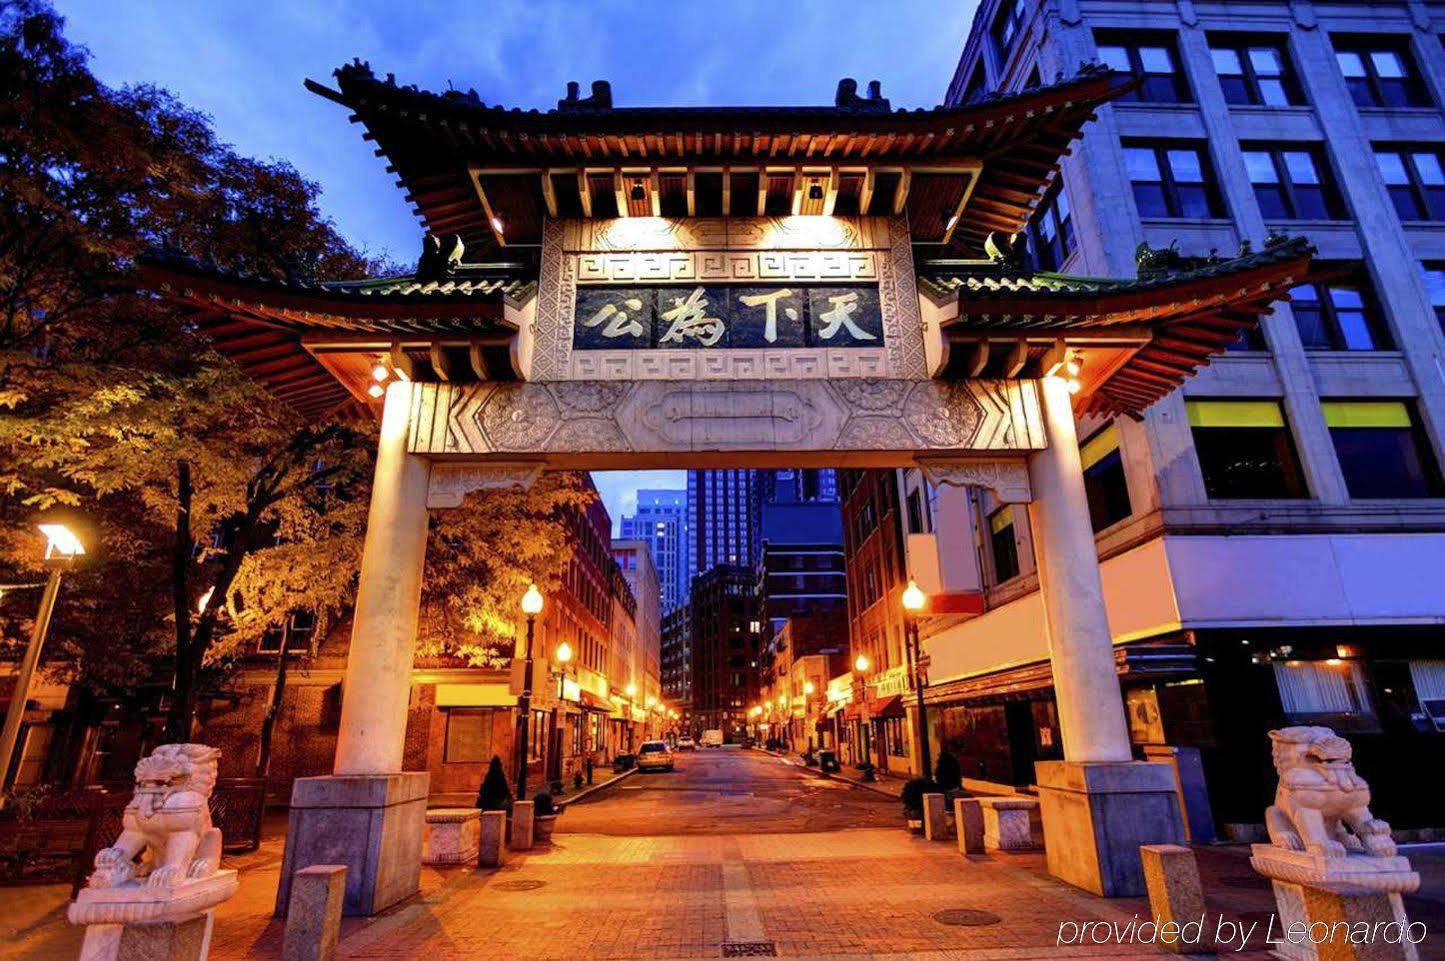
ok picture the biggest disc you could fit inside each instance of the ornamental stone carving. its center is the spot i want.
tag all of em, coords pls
(1009, 480)
(1325, 843)
(163, 871)
(449, 484)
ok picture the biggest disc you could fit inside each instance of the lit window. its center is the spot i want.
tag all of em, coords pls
(1245, 449)
(1003, 546)
(1104, 482)
(1151, 58)
(1322, 687)
(1380, 72)
(1254, 71)
(1415, 178)
(1291, 184)
(1381, 450)
(1434, 272)
(1339, 313)
(1171, 180)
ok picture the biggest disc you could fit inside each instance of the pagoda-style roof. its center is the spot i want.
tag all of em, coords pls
(279, 330)
(491, 174)
(1178, 313)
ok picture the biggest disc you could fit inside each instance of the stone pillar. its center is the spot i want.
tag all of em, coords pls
(1081, 648)
(935, 822)
(523, 827)
(388, 596)
(370, 815)
(1098, 804)
(492, 844)
(1176, 895)
(313, 924)
(968, 821)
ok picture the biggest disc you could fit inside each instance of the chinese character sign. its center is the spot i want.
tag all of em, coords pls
(726, 316)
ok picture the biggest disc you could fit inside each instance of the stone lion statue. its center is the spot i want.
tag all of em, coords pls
(1321, 805)
(167, 833)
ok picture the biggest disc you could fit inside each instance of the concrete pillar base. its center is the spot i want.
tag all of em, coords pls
(1097, 813)
(371, 823)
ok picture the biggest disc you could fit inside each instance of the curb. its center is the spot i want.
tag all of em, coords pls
(865, 785)
(593, 789)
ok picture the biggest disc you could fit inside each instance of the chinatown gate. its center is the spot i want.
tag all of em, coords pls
(628, 288)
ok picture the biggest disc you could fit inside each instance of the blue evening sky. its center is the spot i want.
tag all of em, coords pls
(242, 62)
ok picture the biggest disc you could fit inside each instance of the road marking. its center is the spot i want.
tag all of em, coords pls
(740, 904)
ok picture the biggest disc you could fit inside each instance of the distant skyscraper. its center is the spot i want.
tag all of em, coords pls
(723, 517)
(661, 521)
(798, 485)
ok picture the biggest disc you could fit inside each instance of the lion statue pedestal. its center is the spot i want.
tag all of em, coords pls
(154, 891)
(1329, 859)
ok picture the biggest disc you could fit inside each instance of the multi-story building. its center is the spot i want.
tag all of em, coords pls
(676, 669)
(807, 651)
(1271, 535)
(873, 725)
(800, 564)
(661, 521)
(726, 638)
(797, 485)
(722, 519)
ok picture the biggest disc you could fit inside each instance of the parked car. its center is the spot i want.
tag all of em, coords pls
(686, 744)
(655, 756)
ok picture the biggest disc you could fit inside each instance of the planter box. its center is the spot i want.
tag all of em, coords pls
(453, 836)
(543, 826)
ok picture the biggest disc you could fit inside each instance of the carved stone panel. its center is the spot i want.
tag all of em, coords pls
(631, 423)
(767, 250)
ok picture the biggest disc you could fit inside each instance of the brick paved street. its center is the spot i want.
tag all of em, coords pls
(732, 847)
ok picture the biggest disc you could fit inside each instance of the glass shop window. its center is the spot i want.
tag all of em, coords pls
(1002, 545)
(1104, 482)
(1334, 686)
(1245, 449)
(1382, 450)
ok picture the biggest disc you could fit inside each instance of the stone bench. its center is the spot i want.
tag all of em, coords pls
(1007, 823)
(452, 836)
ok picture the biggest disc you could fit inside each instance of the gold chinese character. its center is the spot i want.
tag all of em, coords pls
(841, 315)
(770, 301)
(689, 319)
(619, 322)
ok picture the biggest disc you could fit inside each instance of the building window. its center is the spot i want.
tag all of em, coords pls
(1007, 24)
(1244, 449)
(468, 735)
(1104, 482)
(1002, 545)
(1051, 231)
(1434, 272)
(298, 630)
(1291, 183)
(1322, 687)
(1380, 72)
(916, 522)
(1254, 71)
(1381, 449)
(1415, 177)
(1339, 313)
(1150, 57)
(1171, 180)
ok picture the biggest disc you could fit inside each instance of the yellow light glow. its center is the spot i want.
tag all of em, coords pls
(380, 373)
(205, 599)
(563, 653)
(62, 541)
(782, 701)
(861, 664)
(532, 601)
(497, 224)
(632, 690)
(651, 701)
(1334, 662)
(808, 687)
(1073, 385)
(913, 597)
(376, 390)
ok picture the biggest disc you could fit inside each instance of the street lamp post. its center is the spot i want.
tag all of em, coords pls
(913, 601)
(531, 606)
(62, 547)
(563, 656)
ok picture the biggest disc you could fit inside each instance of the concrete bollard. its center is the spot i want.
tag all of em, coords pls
(935, 820)
(1171, 876)
(522, 826)
(313, 917)
(1006, 825)
(968, 823)
(492, 843)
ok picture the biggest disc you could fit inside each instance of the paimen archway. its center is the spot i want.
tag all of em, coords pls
(614, 288)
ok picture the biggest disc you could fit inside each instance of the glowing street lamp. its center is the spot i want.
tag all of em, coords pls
(914, 600)
(531, 606)
(862, 664)
(808, 688)
(63, 547)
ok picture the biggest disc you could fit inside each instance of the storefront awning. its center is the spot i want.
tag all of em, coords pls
(888, 707)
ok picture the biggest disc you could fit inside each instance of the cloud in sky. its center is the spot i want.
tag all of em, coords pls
(243, 61)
